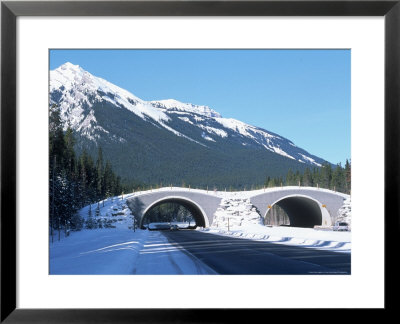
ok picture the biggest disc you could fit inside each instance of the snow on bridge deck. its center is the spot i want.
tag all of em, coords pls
(206, 202)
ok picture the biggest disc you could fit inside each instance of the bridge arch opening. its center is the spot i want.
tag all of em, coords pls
(195, 211)
(298, 211)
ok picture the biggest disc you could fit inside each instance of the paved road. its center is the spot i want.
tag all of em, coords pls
(227, 255)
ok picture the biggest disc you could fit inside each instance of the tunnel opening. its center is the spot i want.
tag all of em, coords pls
(180, 212)
(294, 212)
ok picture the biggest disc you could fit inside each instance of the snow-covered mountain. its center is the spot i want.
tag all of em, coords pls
(101, 112)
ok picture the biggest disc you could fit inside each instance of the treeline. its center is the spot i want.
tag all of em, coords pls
(336, 178)
(74, 181)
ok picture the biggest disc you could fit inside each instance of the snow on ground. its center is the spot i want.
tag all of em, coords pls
(236, 212)
(97, 251)
(306, 237)
(236, 216)
(114, 210)
(344, 213)
(120, 250)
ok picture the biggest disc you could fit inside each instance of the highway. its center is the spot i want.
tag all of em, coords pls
(230, 256)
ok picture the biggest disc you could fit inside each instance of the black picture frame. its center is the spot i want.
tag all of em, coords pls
(10, 10)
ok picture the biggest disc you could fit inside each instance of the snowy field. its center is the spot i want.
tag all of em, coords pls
(306, 237)
(120, 250)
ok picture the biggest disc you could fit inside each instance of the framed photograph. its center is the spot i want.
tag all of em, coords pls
(196, 152)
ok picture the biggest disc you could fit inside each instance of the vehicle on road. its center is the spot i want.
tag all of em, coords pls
(341, 226)
(158, 226)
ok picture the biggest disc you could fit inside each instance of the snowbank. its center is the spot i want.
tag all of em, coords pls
(344, 213)
(113, 211)
(306, 237)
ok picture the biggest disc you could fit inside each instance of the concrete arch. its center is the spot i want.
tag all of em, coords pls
(196, 210)
(328, 201)
(302, 210)
(200, 202)
(206, 204)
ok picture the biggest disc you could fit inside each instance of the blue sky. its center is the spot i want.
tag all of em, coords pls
(303, 95)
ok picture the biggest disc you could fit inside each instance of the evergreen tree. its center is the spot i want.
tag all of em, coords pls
(307, 178)
(90, 222)
(326, 176)
(136, 206)
(339, 179)
(74, 182)
(290, 178)
(99, 174)
(347, 169)
(297, 178)
(56, 134)
(69, 153)
(117, 186)
(272, 183)
(108, 180)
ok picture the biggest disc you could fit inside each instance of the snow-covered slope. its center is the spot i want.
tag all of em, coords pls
(76, 91)
(172, 105)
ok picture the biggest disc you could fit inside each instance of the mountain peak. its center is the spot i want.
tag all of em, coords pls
(68, 66)
(77, 91)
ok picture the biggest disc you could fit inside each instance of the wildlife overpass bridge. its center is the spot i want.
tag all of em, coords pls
(305, 206)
